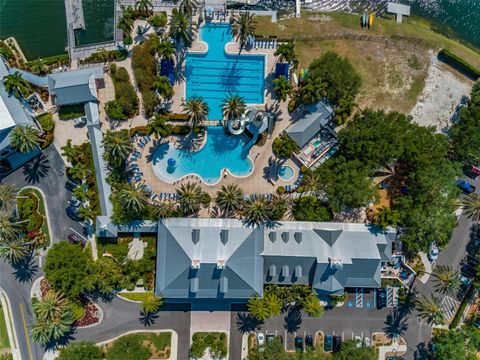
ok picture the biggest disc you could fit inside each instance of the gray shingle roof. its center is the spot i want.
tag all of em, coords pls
(314, 119)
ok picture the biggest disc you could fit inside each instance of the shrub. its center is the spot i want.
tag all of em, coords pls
(180, 129)
(126, 100)
(309, 208)
(46, 122)
(284, 147)
(178, 117)
(140, 130)
(68, 112)
(281, 189)
(114, 110)
(144, 67)
(159, 20)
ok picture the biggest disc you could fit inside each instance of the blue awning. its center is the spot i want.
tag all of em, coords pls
(281, 69)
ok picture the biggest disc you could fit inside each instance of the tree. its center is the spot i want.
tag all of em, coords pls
(103, 55)
(312, 306)
(83, 350)
(8, 197)
(118, 145)
(349, 351)
(38, 67)
(15, 84)
(71, 152)
(312, 89)
(343, 109)
(430, 310)
(445, 279)
(114, 110)
(189, 197)
(264, 308)
(284, 146)
(282, 88)
(257, 211)
(233, 107)
(14, 250)
(151, 304)
(471, 206)
(342, 79)
(243, 26)
(286, 53)
(158, 127)
(133, 200)
(69, 269)
(309, 208)
(162, 210)
(128, 347)
(164, 48)
(386, 217)
(280, 205)
(196, 109)
(144, 6)
(24, 138)
(108, 275)
(53, 317)
(126, 21)
(229, 198)
(311, 181)
(180, 28)
(188, 7)
(459, 344)
(163, 87)
(9, 227)
(79, 171)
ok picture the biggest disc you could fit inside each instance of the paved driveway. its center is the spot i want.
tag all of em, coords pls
(47, 172)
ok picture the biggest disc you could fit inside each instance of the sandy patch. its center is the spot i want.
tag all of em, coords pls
(441, 95)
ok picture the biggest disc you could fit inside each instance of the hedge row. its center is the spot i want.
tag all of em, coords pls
(126, 101)
(458, 63)
(112, 55)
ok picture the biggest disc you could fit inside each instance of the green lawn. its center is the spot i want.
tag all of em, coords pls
(134, 296)
(158, 343)
(118, 248)
(4, 342)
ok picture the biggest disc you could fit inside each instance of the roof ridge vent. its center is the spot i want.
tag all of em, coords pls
(298, 236)
(195, 236)
(285, 236)
(272, 236)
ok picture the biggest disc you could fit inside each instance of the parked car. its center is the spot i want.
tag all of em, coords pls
(465, 186)
(75, 239)
(260, 339)
(75, 202)
(70, 185)
(299, 344)
(381, 298)
(358, 342)
(309, 341)
(367, 342)
(433, 252)
(337, 343)
(328, 343)
(73, 214)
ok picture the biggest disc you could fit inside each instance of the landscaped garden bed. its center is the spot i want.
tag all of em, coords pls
(214, 342)
(141, 346)
(32, 208)
(68, 112)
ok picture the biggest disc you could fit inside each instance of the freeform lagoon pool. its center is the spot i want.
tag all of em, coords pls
(215, 74)
(221, 151)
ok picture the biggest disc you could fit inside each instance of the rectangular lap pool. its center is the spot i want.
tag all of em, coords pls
(215, 74)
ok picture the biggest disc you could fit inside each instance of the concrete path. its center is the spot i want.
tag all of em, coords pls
(136, 248)
(428, 267)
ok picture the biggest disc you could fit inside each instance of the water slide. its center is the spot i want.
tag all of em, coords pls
(31, 78)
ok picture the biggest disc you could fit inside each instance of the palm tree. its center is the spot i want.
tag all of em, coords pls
(144, 6)
(24, 138)
(9, 228)
(38, 67)
(312, 306)
(286, 53)
(79, 171)
(102, 54)
(446, 279)
(282, 88)
(180, 28)
(188, 7)
(53, 317)
(233, 107)
(151, 303)
(311, 181)
(471, 206)
(262, 309)
(243, 26)
(196, 109)
(189, 197)
(118, 145)
(6, 53)
(133, 200)
(312, 89)
(126, 21)
(344, 108)
(430, 310)
(14, 250)
(257, 211)
(163, 87)
(229, 198)
(15, 84)
(164, 48)
(386, 217)
(162, 210)
(158, 127)
(70, 151)
(280, 205)
(8, 197)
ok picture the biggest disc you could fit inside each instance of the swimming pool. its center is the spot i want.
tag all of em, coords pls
(214, 75)
(286, 173)
(221, 151)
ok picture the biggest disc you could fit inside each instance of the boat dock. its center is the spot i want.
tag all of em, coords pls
(74, 11)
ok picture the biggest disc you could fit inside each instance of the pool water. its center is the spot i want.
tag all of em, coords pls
(214, 75)
(286, 173)
(221, 151)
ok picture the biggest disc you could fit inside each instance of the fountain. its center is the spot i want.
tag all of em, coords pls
(171, 164)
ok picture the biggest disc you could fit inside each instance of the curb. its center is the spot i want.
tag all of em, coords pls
(12, 334)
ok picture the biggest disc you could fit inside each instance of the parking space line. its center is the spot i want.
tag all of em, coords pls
(353, 335)
(343, 335)
(285, 340)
